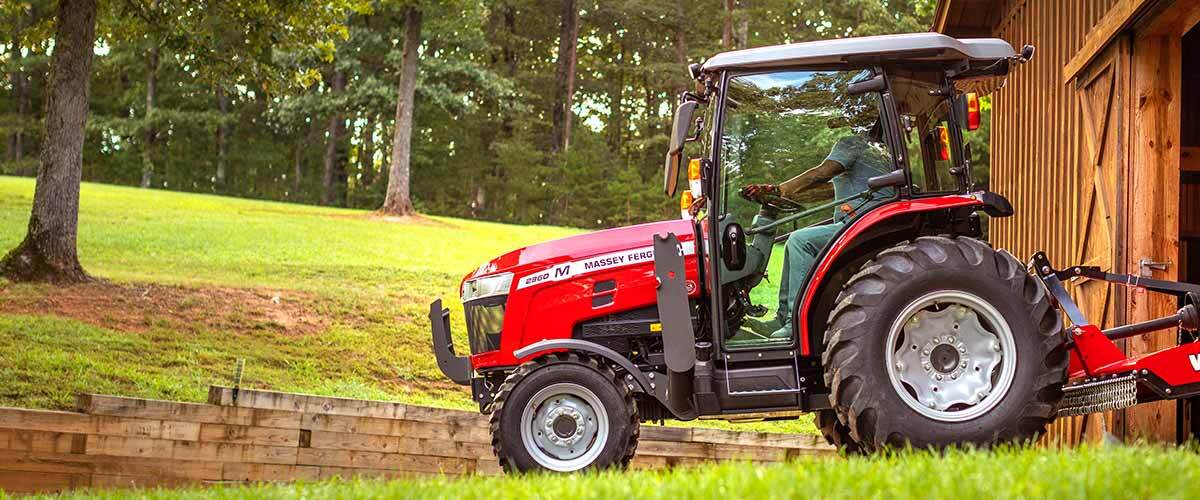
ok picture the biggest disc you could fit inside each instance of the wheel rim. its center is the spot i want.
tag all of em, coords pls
(951, 356)
(564, 427)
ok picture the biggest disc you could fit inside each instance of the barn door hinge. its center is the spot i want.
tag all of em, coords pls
(1147, 266)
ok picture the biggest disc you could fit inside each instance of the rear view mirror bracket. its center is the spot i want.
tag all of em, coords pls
(874, 84)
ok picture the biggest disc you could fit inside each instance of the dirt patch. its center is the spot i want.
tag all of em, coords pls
(141, 307)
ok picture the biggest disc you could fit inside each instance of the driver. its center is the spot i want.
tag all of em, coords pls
(853, 160)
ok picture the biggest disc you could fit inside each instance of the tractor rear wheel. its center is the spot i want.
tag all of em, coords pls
(564, 413)
(944, 341)
(836, 433)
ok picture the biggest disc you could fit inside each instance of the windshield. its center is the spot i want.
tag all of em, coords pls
(780, 125)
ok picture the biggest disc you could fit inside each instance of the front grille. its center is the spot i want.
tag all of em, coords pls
(485, 321)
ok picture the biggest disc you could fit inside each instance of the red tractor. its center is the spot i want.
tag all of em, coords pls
(828, 262)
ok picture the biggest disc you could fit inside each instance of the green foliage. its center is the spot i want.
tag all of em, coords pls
(481, 135)
(1011, 473)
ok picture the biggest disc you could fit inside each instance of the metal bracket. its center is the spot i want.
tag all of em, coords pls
(1147, 266)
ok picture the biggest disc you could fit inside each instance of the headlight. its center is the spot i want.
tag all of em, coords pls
(489, 286)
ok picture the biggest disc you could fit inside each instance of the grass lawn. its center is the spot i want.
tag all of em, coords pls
(1136, 472)
(317, 300)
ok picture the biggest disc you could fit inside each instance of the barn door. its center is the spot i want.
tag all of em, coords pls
(1101, 151)
(1100, 90)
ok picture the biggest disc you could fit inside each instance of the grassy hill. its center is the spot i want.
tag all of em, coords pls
(1138, 472)
(317, 300)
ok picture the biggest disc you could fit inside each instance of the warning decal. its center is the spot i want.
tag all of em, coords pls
(612, 260)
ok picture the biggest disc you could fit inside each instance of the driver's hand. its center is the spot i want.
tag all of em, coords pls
(756, 191)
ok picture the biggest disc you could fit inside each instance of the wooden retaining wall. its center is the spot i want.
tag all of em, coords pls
(114, 441)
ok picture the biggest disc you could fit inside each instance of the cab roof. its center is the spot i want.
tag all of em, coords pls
(883, 49)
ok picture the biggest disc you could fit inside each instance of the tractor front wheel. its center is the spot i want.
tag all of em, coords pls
(564, 413)
(944, 341)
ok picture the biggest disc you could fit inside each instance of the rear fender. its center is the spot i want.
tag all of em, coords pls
(878, 229)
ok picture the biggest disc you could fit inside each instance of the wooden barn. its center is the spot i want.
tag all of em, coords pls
(1097, 143)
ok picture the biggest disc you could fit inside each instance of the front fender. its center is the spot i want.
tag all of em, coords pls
(538, 349)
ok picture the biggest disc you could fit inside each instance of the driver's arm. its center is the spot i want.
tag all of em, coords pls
(816, 176)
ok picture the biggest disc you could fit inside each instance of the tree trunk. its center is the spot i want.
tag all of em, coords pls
(20, 96)
(743, 34)
(616, 94)
(727, 33)
(681, 47)
(366, 152)
(222, 139)
(564, 76)
(337, 125)
(151, 134)
(48, 252)
(398, 200)
(297, 164)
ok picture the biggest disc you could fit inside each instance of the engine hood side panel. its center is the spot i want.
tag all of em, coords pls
(561, 283)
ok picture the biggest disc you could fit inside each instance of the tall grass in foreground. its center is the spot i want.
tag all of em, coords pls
(1110, 472)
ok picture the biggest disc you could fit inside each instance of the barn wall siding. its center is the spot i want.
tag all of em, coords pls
(1036, 132)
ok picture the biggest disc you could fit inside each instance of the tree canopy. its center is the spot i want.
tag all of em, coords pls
(296, 100)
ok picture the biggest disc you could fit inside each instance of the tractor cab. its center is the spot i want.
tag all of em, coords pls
(795, 143)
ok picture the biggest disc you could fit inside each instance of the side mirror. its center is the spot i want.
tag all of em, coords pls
(679, 135)
(873, 84)
(733, 247)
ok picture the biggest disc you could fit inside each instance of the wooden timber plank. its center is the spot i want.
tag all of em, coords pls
(44, 420)
(111, 481)
(375, 460)
(235, 471)
(249, 398)
(189, 450)
(675, 449)
(244, 434)
(442, 448)
(47, 482)
(759, 439)
(1120, 16)
(42, 441)
(95, 404)
(488, 467)
(348, 473)
(662, 433)
(136, 427)
(125, 466)
(452, 429)
(443, 415)
(355, 442)
(643, 462)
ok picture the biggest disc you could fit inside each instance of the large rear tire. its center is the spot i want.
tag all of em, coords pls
(564, 413)
(944, 341)
(836, 433)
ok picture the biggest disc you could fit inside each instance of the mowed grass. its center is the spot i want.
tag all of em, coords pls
(368, 280)
(1135, 472)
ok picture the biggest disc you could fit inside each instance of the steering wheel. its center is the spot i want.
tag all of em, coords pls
(773, 201)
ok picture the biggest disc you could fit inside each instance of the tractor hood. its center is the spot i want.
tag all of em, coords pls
(525, 261)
